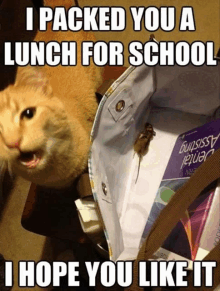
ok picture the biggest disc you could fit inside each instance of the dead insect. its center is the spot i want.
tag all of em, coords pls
(142, 143)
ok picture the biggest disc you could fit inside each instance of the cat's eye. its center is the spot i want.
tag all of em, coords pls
(28, 113)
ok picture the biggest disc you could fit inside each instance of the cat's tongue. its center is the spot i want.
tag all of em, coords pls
(29, 160)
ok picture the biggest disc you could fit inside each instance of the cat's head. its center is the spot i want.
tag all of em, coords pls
(35, 136)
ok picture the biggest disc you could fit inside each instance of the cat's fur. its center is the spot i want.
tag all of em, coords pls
(58, 133)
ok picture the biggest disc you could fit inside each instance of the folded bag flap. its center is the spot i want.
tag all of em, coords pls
(111, 130)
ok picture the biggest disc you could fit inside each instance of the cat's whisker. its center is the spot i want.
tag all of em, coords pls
(10, 170)
(3, 168)
(2, 174)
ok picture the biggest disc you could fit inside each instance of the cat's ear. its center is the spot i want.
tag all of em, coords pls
(29, 76)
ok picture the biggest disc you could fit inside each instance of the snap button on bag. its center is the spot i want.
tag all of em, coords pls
(120, 105)
(104, 188)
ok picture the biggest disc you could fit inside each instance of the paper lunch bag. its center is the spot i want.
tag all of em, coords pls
(174, 100)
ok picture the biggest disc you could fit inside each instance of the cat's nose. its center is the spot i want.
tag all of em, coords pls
(13, 144)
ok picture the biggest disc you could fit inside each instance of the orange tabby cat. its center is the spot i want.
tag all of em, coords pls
(47, 115)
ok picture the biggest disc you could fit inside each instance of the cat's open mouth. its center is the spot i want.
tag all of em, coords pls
(29, 159)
